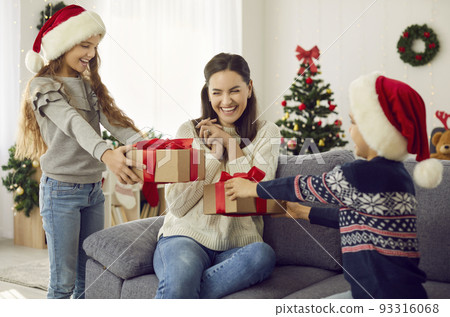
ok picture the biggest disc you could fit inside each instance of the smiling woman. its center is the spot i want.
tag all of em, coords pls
(210, 256)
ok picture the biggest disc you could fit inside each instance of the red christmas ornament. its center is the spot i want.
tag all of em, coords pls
(282, 140)
(431, 45)
(332, 107)
(283, 103)
(405, 34)
(319, 123)
(418, 57)
(338, 122)
(309, 80)
(337, 135)
(426, 34)
(401, 49)
(302, 107)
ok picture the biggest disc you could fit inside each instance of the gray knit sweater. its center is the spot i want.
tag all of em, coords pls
(69, 118)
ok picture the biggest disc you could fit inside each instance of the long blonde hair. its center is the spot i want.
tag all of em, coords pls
(30, 143)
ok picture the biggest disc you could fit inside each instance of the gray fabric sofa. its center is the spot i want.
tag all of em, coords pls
(308, 256)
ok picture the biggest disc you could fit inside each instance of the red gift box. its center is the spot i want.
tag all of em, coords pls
(216, 202)
(167, 161)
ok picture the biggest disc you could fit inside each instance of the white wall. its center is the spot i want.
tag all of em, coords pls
(351, 47)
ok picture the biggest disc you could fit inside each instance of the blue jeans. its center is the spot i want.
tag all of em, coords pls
(187, 269)
(71, 212)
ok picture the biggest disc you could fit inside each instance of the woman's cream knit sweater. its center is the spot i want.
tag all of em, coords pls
(185, 200)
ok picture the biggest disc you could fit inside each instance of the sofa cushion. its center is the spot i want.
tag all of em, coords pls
(433, 226)
(333, 285)
(101, 283)
(126, 250)
(284, 281)
(321, 246)
(142, 287)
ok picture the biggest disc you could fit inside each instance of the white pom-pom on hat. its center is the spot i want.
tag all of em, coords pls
(34, 61)
(428, 173)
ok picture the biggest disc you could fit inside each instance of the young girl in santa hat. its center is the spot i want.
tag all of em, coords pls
(64, 104)
(376, 217)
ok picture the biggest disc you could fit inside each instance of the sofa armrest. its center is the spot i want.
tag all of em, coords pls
(126, 250)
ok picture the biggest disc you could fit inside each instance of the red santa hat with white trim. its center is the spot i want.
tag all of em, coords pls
(66, 28)
(391, 117)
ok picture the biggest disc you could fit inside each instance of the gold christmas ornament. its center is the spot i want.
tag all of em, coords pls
(321, 142)
(286, 115)
(317, 102)
(296, 127)
(35, 164)
(19, 191)
(329, 91)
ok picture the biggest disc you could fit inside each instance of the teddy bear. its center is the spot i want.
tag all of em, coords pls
(441, 140)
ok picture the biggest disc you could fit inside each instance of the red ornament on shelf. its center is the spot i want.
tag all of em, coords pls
(401, 49)
(332, 107)
(309, 80)
(426, 34)
(283, 103)
(302, 107)
(418, 57)
(405, 34)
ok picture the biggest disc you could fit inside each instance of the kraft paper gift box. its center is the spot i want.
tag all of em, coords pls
(167, 161)
(216, 202)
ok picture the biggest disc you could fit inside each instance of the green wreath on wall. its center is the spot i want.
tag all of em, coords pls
(411, 34)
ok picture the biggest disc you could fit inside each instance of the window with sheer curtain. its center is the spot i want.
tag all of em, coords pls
(9, 99)
(154, 53)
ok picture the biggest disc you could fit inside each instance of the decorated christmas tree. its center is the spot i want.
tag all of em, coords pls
(310, 120)
(19, 180)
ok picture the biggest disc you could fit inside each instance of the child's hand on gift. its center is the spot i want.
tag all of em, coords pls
(119, 164)
(240, 188)
(295, 210)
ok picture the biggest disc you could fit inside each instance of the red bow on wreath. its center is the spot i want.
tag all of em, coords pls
(307, 58)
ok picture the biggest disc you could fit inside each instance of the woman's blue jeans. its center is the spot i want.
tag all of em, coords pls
(71, 212)
(187, 269)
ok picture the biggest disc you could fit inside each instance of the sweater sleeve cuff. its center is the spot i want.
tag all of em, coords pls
(100, 148)
(328, 217)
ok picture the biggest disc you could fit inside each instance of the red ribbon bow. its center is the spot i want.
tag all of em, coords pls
(149, 189)
(254, 174)
(307, 58)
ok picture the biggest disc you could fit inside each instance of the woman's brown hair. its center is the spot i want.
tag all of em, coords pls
(29, 142)
(246, 126)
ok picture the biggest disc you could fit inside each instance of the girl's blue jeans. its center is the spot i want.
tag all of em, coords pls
(187, 269)
(71, 212)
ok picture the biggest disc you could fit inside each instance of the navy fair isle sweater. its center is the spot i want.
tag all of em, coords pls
(376, 220)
